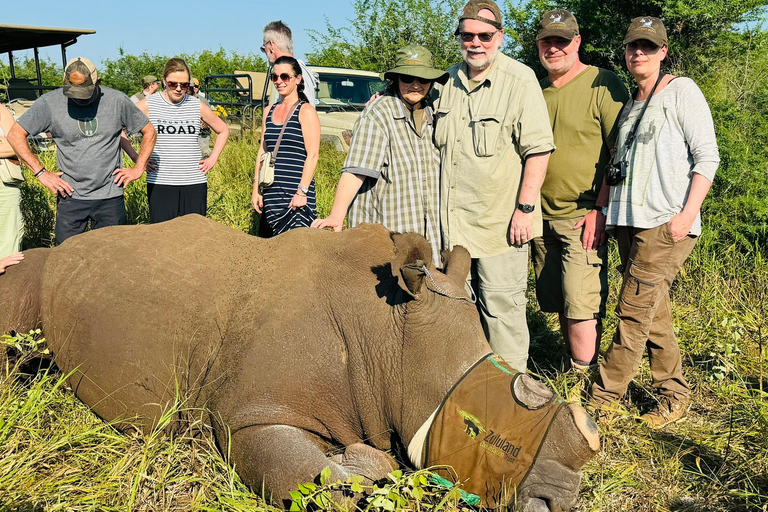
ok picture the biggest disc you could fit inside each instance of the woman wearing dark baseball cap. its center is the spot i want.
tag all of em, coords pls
(662, 169)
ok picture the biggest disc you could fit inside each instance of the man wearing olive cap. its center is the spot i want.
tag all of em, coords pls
(85, 120)
(494, 137)
(584, 104)
(149, 86)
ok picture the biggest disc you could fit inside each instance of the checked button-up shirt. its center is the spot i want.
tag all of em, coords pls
(402, 169)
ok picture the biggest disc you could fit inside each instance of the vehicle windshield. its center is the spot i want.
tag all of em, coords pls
(347, 90)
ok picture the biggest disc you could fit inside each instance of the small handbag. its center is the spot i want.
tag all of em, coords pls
(266, 175)
(10, 171)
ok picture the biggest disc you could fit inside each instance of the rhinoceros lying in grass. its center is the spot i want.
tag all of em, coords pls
(311, 349)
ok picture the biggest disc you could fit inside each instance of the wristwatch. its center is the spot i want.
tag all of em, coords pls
(303, 189)
(526, 208)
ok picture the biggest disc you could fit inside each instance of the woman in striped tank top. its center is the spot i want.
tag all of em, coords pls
(290, 201)
(179, 183)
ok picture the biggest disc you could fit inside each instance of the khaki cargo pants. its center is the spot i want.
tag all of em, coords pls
(651, 260)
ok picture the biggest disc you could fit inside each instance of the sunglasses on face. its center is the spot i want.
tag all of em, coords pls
(264, 47)
(282, 76)
(642, 44)
(408, 79)
(484, 37)
(176, 85)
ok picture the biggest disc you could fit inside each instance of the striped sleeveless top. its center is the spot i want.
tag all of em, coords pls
(177, 152)
(289, 166)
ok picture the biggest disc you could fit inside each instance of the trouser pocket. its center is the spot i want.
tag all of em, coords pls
(641, 287)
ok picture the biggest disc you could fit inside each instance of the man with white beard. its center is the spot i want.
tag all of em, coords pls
(494, 136)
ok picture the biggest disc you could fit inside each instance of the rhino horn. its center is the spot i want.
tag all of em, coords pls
(412, 254)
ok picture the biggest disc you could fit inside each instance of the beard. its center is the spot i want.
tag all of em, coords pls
(479, 65)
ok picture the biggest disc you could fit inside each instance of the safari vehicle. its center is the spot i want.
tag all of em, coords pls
(18, 93)
(341, 95)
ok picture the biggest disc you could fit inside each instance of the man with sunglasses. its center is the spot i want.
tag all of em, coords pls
(86, 120)
(494, 137)
(570, 258)
(278, 41)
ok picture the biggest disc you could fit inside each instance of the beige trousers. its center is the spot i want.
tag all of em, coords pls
(651, 260)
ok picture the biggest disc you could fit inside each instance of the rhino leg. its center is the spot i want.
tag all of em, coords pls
(279, 457)
(20, 293)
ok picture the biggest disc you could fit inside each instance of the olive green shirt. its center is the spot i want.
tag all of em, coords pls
(484, 135)
(584, 114)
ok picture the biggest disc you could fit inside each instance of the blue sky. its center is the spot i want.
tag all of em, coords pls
(169, 28)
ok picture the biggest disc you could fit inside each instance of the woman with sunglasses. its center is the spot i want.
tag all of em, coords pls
(391, 174)
(664, 164)
(179, 184)
(290, 201)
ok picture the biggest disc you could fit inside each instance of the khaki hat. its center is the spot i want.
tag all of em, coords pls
(414, 60)
(647, 27)
(472, 9)
(148, 80)
(558, 23)
(80, 78)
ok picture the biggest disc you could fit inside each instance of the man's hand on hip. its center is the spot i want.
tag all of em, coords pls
(126, 175)
(593, 235)
(53, 182)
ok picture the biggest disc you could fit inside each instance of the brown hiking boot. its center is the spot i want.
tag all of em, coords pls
(667, 410)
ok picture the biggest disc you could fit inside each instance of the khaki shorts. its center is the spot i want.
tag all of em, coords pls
(569, 279)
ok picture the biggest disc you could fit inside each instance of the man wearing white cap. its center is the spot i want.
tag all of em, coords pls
(85, 120)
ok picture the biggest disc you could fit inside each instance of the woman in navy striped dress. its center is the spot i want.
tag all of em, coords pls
(178, 185)
(290, 201)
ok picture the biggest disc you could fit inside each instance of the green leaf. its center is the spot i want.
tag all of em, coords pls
(395, 475)
(307, 488)
(325, 474)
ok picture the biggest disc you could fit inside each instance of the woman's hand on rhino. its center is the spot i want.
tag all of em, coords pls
(329, 222)
(13, 259)
(257, 201)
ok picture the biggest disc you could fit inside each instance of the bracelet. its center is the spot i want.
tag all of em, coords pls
(41, 171)
(300, 194)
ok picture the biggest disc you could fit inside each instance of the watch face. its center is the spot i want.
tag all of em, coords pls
(526, 208)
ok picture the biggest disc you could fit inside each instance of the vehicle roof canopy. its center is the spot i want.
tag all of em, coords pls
(20, 37)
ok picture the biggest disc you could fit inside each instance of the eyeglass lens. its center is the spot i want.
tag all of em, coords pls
(283, 76)
(174, 85)
(484, 37)
(408, 79)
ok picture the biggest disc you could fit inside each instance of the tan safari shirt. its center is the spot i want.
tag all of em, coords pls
(484, 135)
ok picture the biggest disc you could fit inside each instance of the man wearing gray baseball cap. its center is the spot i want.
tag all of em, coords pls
(494, 138)
(86, 120)
(570, 258)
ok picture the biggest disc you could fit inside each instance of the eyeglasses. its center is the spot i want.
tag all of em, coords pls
(263, 48)
(408, 79)
(484, 37)
(176, 85)
(282, 76)
(196, 86)
(642, 44)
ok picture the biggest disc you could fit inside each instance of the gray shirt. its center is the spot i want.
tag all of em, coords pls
(87, 137)
(675, 139)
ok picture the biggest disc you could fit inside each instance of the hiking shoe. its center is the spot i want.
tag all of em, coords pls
(667, 410)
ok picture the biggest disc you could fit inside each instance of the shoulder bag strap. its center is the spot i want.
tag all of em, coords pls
(631, 134)
(282, 131)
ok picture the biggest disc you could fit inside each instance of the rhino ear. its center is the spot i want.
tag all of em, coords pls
(412, 254)
(456, 264)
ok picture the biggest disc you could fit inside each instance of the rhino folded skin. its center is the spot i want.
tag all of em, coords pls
(299, 345)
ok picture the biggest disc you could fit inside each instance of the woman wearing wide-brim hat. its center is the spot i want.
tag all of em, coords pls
(391, 174)
(664, 164)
